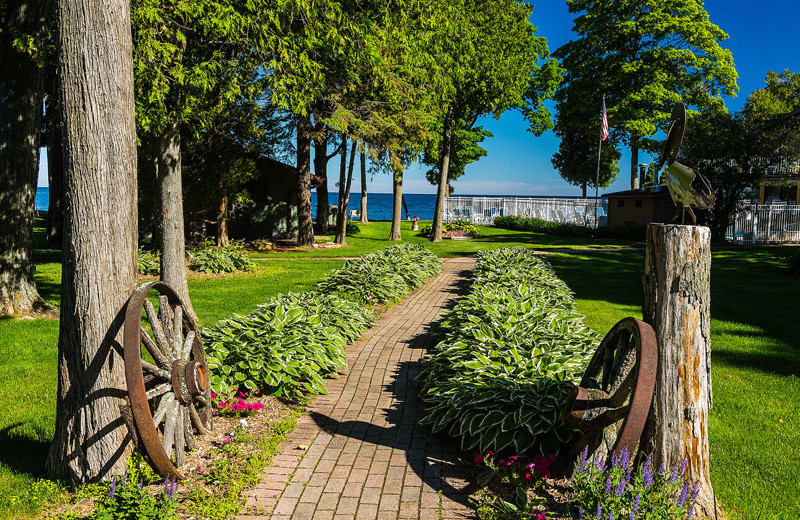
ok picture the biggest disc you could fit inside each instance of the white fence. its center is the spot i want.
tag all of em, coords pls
(483, 210)
(766, 224)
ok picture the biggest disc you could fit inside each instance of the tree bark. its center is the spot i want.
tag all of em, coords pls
(677, 305)
(634, 163)
(55, 161)
(583, 188)
(341, 216)
(397, 191)
(305, 224)
(222, 215)
(21, 94)
(99, 266)
(441, 192)
(321, 170)
(170, 214)
(364, 218)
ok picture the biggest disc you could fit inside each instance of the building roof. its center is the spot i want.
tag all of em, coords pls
(644, 192)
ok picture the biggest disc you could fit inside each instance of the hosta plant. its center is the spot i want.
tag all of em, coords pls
(512, 349)
(383, 276)
(286, 346)
(148, 262)
(209, 259)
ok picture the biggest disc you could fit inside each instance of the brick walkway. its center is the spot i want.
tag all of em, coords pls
(366, 456)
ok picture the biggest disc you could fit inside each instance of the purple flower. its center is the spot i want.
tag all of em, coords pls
(598, 464)
(626, 458)
(610, 515)
(684, 494)
(141, 484)
(647, 472)
(599, 511)
(113, 489)
(674, 475)
(608, 485)
(581, 513)
(661, 470)
(169, 487)
(583, 459)
(636, 504)
(683, 466)
(623, 484)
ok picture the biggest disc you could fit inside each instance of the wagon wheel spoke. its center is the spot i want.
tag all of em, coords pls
(159, 373)
(158, 331)
(177, 332)
(161, 389)
(161, 411)
(180, 446)
(170, 423)
(186, 352)
(197, 422)
(160, 357)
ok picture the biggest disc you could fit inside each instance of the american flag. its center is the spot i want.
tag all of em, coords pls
(604, 122)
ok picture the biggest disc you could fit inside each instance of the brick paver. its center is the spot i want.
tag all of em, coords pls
(367, 458)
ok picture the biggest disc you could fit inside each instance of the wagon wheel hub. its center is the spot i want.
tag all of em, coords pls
(189, 380)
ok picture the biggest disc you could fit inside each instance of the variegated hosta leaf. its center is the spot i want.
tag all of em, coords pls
(511, 350)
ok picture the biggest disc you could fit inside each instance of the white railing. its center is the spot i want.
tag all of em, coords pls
(483, 210)
(766, 224)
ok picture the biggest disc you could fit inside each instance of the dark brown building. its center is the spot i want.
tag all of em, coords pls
(639, 207)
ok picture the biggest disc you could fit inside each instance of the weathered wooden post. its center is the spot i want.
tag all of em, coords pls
(677, 306)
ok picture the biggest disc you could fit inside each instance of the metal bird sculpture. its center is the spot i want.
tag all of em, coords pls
(688, 188)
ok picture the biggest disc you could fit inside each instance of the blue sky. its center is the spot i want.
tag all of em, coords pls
(763, 37)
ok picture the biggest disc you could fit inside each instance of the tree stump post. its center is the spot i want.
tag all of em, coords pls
(677, 306)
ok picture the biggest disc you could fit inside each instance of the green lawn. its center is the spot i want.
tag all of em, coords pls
(754, 426)
(755, 433)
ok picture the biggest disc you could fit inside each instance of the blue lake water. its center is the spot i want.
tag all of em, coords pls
(379, 205)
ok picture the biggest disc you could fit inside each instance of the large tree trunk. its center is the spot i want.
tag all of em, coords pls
(55, 161)
(583, 188)
(341, 216)
(397, 191)
(444, 169)
(21, 94)
(677, 305)
(634, 163)
(364, 218)
(305, 224)
(170, 214)
(99, 268)
(321, 170)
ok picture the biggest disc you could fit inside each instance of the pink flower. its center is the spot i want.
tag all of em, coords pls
(213, 395)
(227, 440)
(539, 516)
(528, 476)
(478, 458)
(240, 393)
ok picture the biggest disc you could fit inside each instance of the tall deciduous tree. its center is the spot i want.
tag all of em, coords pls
(23, 34)
(645, 56)
(192, 59)
(99, 266)
(486, 58)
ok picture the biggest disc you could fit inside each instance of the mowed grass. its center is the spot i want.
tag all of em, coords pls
(754, 426)
(373, 236)
(755, 434)
(29, 356)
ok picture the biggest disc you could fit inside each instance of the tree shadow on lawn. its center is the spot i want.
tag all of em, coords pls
(22, 454)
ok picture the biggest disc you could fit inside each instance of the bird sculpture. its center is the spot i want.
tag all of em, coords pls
(687, 187)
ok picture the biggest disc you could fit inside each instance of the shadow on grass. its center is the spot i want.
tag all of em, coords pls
(22, 454)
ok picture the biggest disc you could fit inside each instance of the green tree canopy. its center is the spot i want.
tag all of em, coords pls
(645, 55)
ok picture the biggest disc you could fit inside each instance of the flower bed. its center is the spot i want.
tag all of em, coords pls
(511, 350)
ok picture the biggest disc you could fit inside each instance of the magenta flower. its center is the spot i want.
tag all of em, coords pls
(478, 458)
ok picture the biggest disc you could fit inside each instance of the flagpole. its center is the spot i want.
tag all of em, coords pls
(597, 176)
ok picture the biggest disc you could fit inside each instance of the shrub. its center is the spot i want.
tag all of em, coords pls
(455, 228)
(536, 225)
(617, 491)
(286, 346)
(128, 497)
(383, 276)
(229, 259)
(148, 262)
(352, 229)
(511, 350)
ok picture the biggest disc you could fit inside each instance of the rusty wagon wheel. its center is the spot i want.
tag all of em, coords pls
(167, 377)
(612, 402)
